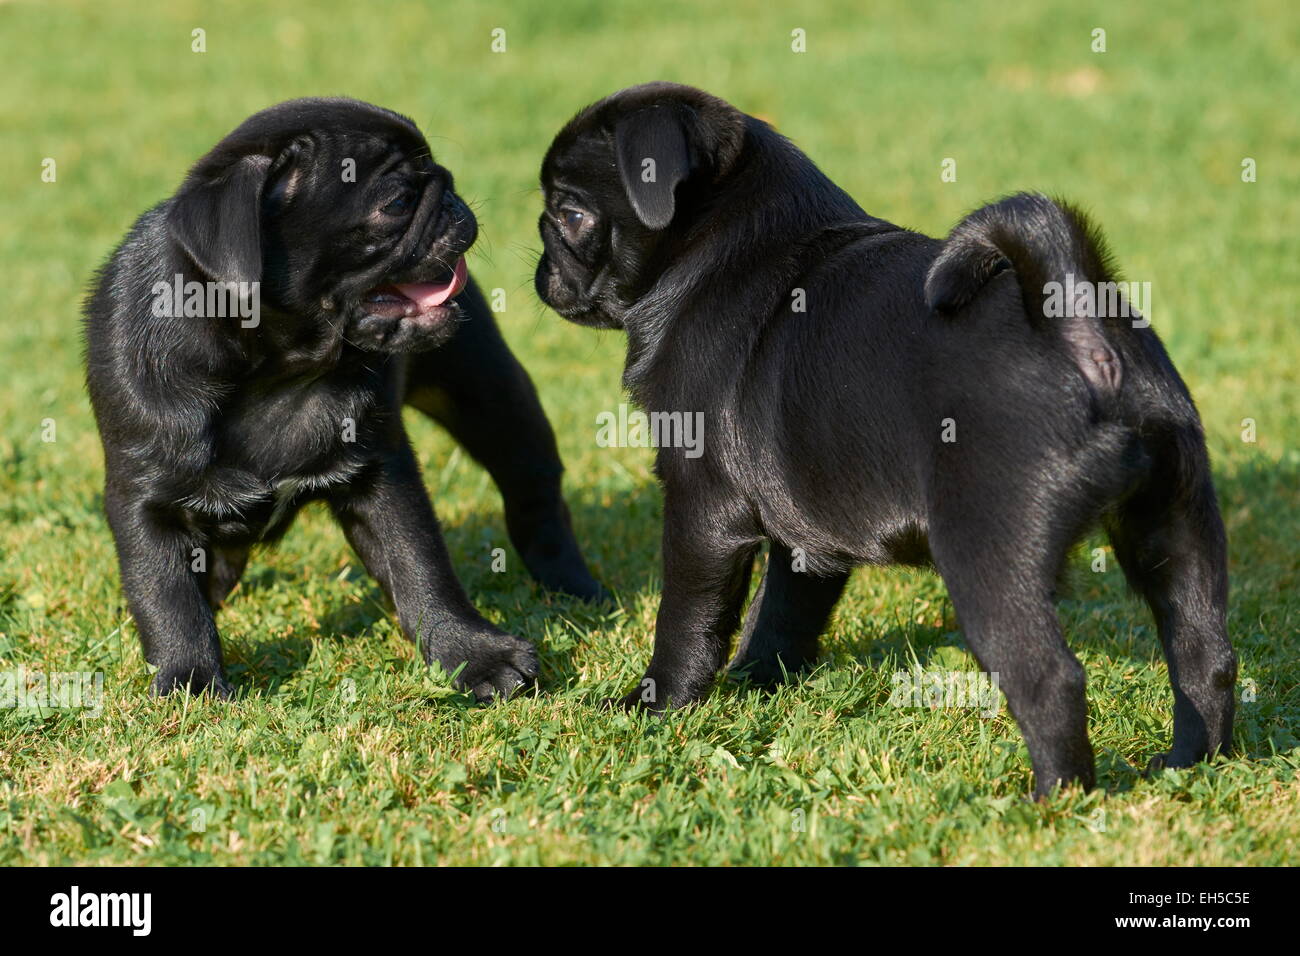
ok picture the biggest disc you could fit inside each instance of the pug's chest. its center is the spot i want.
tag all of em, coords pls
(290, 492)
(236, 505)
(311, 454)
(274, 456)
(301, 430)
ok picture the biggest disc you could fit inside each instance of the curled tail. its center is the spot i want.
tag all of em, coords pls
(1044, 243)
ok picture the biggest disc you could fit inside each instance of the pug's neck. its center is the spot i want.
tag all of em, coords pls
(738, 260)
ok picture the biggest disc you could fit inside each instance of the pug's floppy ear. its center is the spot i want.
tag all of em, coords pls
(653, 157)
(217, 220)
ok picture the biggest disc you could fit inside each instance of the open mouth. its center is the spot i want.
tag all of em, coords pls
(418, 300)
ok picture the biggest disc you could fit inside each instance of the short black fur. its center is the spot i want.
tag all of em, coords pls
(218, 428)
(872, 395)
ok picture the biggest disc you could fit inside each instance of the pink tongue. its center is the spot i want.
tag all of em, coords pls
(428, 295)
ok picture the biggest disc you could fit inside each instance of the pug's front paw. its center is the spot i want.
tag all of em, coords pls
(496, 666)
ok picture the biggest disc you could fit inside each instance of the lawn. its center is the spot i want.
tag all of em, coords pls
(343, 748)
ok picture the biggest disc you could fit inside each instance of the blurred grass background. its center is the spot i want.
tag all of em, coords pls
(344, 749)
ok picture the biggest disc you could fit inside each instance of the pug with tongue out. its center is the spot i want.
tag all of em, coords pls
(319, 253)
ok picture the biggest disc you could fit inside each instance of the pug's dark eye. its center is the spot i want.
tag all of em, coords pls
(400, 206)
(574, 221)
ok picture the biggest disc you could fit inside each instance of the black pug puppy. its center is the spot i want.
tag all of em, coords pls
(871, 396)
(249, 347)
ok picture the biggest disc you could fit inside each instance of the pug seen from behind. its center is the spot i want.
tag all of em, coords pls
(250, 345)
(874, 396)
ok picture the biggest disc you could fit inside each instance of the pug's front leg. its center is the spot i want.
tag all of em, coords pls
(166, 598)
(706, 576)
(389, 522)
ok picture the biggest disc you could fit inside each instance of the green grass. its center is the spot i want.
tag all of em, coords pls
(343, 749)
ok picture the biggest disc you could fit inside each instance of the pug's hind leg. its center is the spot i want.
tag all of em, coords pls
(226, 568)
(785, 620)
(1002, 593)
(1173, 550)
(475, 388)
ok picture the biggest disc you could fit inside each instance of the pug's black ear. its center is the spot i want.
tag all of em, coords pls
(217, 220)
(653, 157)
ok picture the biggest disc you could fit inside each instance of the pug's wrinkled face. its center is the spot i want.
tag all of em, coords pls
(336, 209)
(594, 245)
(369, 234)
(623, 183)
